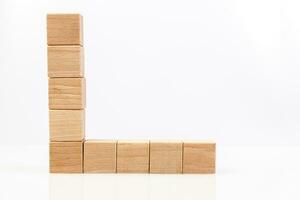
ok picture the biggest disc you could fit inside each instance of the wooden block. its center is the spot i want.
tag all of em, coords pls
(165, 157)
(64, 29)
(100, 156)
(199, 157)
(66, 93)
(65, 61)
(66, 157)
(133, 157)
(67, 125)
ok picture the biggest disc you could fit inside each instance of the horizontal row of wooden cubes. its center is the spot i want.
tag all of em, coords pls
(110, 156)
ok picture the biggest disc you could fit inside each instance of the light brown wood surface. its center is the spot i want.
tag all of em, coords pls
(133, 157)
(65, 61)
(66, 157)
(67, 125)
(100, 156)
(165, 157)
(66, 93)
(199, 157)
(64, 29)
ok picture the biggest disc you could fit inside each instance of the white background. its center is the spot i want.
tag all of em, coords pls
(225, 70)
(160, 69)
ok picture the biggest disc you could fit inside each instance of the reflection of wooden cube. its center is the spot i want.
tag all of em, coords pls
(66, 93)
(100, 156)
(65, 61)
(199, 157)
(165, 157)
(133, 157)
(64, 29)
(66, 125)
(66, 157)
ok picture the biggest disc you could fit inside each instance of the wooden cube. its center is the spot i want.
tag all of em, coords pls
(100, 156)
(133, 157)
(65, 61)
(165, 157)
(66, 157)
(66, 93)
(64, 29)
(199, 157)
(67, 125)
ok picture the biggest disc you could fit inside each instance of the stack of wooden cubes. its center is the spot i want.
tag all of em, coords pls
(66, 92)
(69, 152)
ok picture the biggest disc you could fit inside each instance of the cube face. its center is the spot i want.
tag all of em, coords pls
(199, 157)
(67, 125)
(100, 156)
(64, 29)
(165, 157)
(66, 93)
(133, 157)
(65, 61)
(66, 157)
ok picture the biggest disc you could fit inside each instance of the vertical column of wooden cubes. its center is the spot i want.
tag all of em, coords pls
(66, 92)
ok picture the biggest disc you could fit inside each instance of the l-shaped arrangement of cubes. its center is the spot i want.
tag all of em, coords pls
(70, 152)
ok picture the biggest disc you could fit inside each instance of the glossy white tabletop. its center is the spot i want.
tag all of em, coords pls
(251, 172)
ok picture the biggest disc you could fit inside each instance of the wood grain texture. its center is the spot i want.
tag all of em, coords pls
(199, 157)
(67, 125)
(133, 157)
(65, 61)
(100, 156)
(66, 157)
(165, 157)
(64, 29)
(66, 93)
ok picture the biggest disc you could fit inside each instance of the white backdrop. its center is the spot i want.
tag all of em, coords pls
(226, 70)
